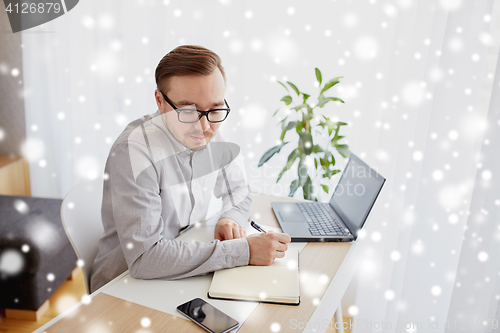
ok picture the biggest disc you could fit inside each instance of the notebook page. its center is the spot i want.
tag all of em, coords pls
(277, 281)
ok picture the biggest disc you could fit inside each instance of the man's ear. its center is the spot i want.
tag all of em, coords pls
(158, 99)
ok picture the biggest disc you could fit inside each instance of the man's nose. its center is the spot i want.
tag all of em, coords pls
(205, 124)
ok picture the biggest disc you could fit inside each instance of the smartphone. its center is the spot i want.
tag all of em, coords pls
(207, 316)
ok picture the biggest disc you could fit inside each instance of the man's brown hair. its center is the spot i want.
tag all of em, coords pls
(186, 60)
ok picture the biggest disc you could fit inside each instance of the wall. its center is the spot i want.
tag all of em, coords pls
(12, 120)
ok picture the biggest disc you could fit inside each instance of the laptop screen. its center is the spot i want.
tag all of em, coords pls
(356, 192)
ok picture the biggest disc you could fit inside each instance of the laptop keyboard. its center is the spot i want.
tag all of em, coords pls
(320, 221)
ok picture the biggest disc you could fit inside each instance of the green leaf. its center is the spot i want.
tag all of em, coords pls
(317, 149)
(329, 173)
(300, 106)
(316, 163)
(307, 116)
(324, 100)
(325, 188)
(287, 99)
(332, 162)
(306, 142)
(343, 150)
(270, 153)
(330, 84)
(336, 138)
(305, 96)
(300, 126)
(294, 87)
(318, 75)
(293, 187)
(286, 128)
(275, 112)
(290, 125)
(283, 85)
(291, 159)
(331, 126)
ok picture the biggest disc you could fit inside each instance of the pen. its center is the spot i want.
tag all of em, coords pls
(256, 226)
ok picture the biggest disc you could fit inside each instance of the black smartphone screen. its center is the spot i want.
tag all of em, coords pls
(207, 316)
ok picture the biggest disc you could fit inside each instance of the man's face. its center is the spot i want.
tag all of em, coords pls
(206, 92)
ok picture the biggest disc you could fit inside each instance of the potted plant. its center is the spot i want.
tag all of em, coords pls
(311, 128)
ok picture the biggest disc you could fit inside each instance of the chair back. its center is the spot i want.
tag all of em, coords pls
(81, 219)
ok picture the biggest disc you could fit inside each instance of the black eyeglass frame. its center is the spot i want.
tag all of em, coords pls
(200, 113)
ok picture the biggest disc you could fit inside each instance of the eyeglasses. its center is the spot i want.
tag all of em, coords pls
(191, 115)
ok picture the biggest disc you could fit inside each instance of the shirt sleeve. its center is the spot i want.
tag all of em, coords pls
(136, 210)
(232, 187)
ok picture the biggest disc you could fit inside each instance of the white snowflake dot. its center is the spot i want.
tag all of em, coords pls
(21, 206)
(436, 290)
(145, 322)
(482, 256)
(453, 218)
(453, 135)
(417, 155)
(353, 310)
(437, 175)
(275, 327)
(395, 255)
(376, 236)
(486, 174)
(323, 279)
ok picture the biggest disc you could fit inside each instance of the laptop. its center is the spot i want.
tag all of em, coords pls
(341, 218)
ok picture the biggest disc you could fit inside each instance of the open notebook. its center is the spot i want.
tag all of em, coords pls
(276, 283)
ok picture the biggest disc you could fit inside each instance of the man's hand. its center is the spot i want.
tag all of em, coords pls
(265, 247)
(227, 228)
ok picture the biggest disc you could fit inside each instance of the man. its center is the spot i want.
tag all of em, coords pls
(161, 174)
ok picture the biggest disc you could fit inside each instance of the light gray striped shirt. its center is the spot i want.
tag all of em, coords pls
(155, 187)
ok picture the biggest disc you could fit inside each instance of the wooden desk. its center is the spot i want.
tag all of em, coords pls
(14, 176)
(322, 263)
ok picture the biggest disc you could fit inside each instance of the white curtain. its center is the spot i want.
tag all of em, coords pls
(433, 243)
(421, 86)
